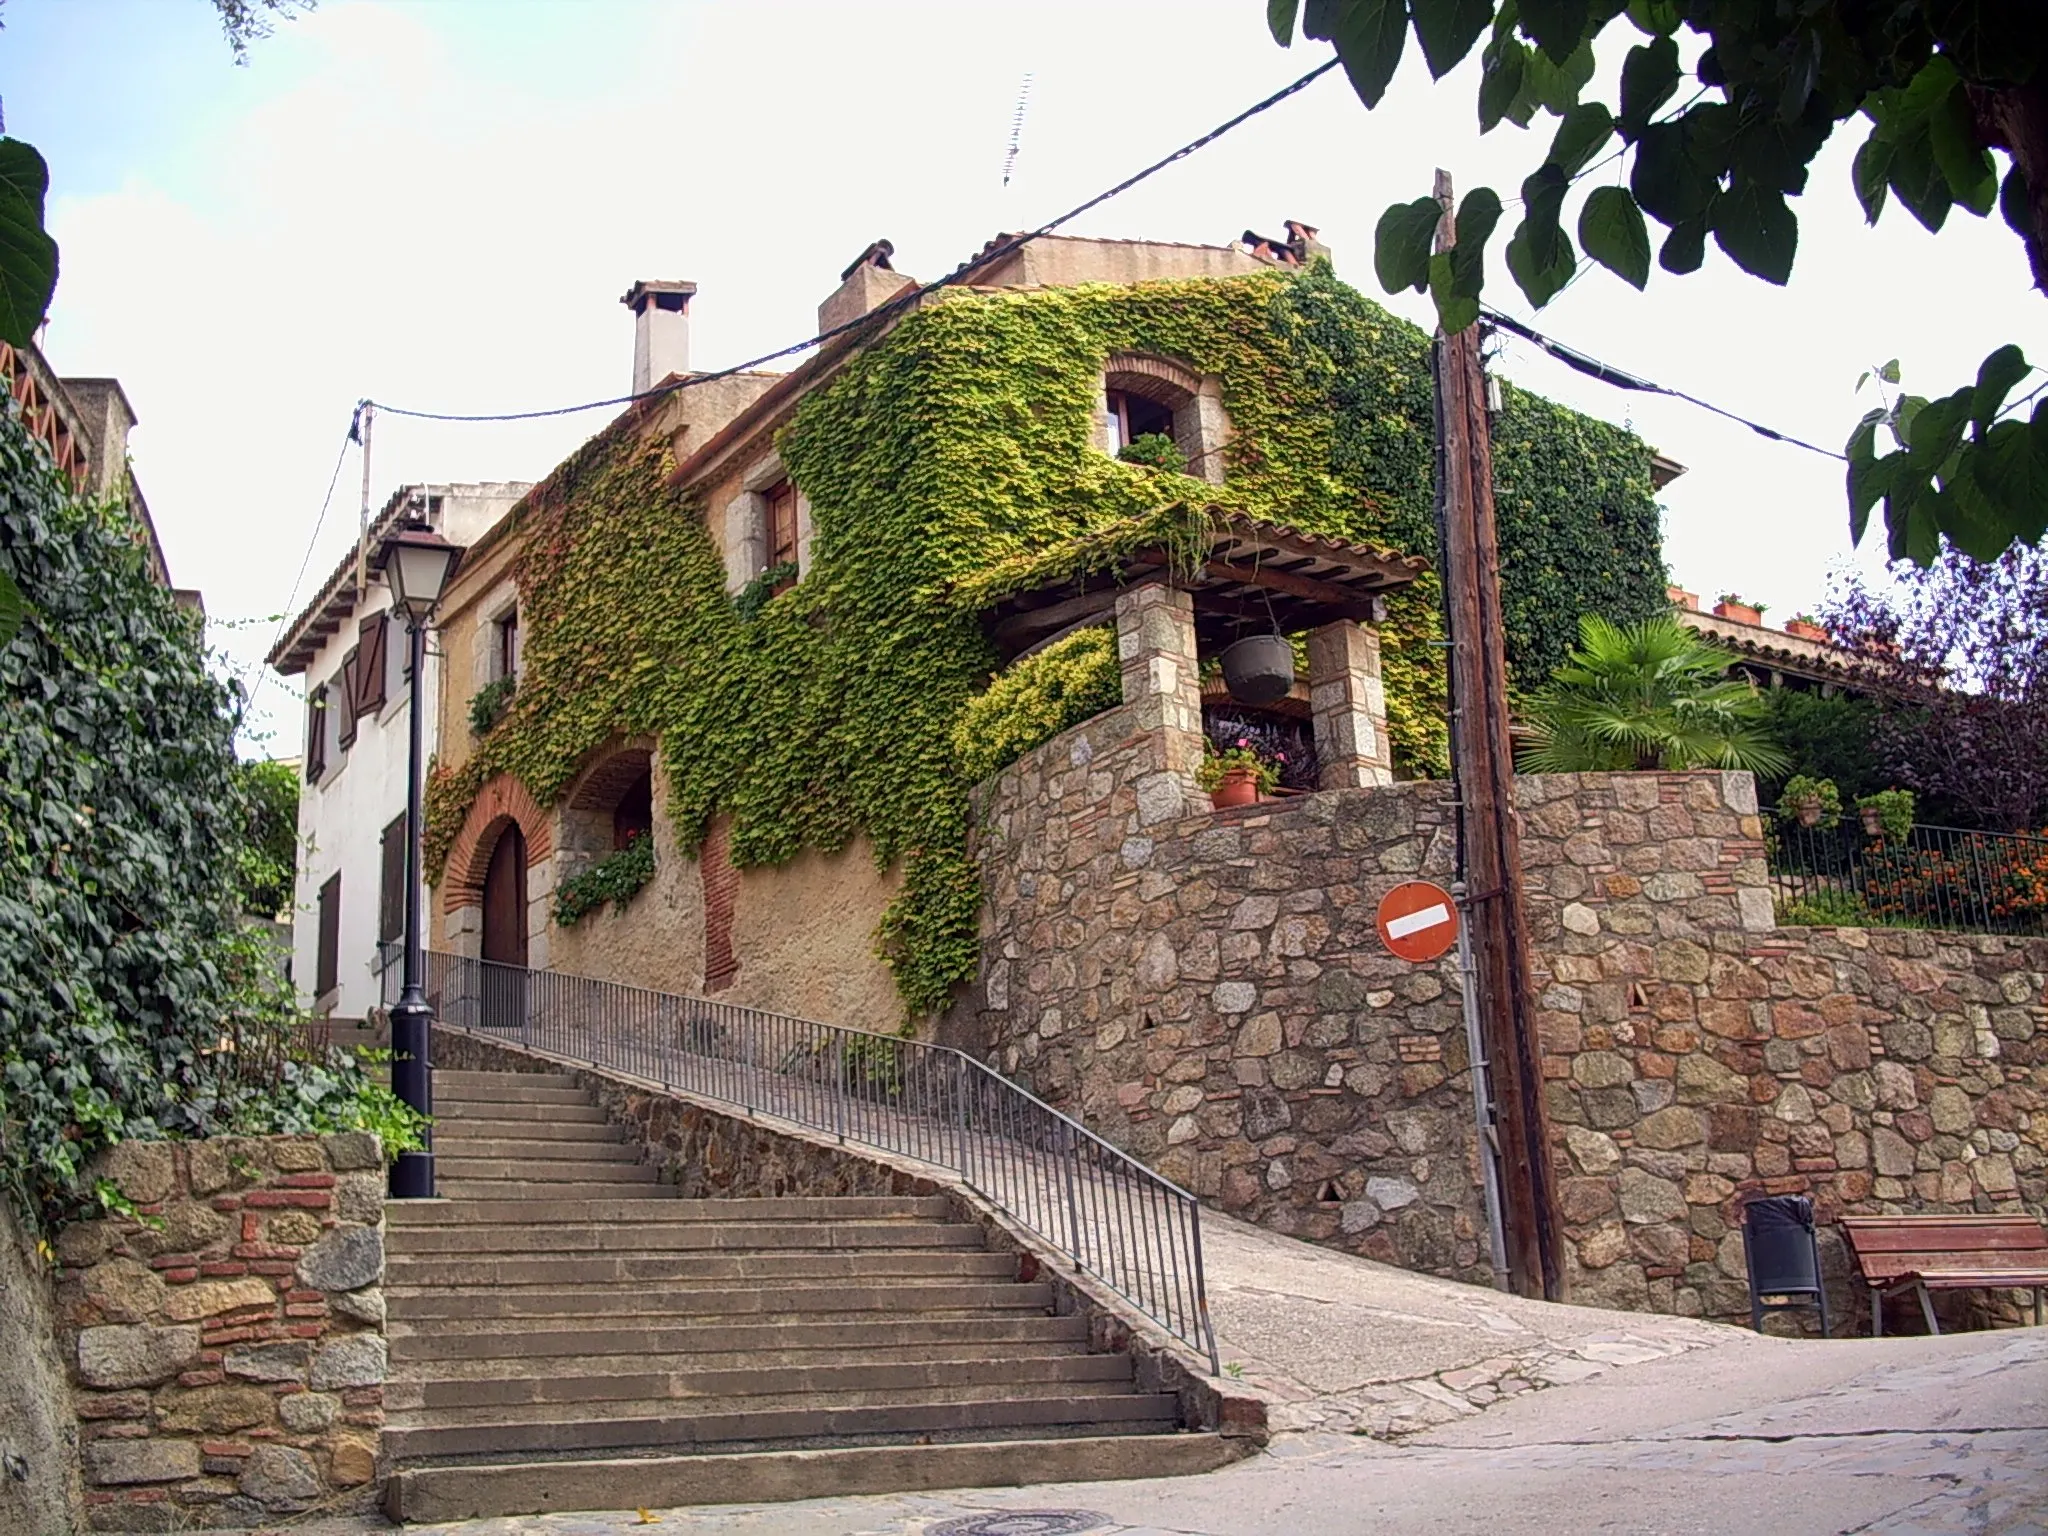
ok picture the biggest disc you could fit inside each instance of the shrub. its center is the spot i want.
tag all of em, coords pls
(617, 880)
(1155, 450)
(1070, 681)
(488, 705)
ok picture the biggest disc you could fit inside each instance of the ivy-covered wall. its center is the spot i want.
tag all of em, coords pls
(960, 441)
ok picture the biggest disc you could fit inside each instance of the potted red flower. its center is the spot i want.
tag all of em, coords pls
(1235, 775)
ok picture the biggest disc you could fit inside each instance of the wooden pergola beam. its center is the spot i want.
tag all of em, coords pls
(1312, 589)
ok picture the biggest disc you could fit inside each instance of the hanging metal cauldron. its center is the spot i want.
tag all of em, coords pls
(1259, 669)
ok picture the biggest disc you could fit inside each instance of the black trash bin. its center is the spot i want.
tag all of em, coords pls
(1783, 1252)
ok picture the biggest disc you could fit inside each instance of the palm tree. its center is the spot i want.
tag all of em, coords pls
(1643, 697)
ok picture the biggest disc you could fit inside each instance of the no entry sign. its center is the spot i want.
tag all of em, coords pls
(1417, 920)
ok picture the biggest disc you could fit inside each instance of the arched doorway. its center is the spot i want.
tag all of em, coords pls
(504, 983)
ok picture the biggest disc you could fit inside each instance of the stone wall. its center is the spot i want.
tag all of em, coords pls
(1208, 991)
(226, 1341)
(39, 1493)
(1696, 1055)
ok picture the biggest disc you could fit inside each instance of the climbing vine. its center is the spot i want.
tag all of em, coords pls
(950, 463)
(617, 879)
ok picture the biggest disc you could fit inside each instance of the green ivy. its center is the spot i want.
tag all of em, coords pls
(617, 879)
(133, 1003)
(751, 598)
(949, 463)
(1069, 681)
(487, 705)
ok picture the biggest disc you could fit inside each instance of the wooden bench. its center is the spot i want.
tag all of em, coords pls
(1947, 1253)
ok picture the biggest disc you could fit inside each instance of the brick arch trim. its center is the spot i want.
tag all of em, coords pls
(502, 801)
(608, 771)
(1156, 378)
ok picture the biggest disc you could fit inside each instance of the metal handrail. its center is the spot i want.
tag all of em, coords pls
(1115, 1219)
(1934, 877)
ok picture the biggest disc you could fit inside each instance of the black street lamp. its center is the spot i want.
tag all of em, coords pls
(417, 563)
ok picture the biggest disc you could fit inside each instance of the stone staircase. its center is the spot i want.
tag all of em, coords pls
(567, 1334)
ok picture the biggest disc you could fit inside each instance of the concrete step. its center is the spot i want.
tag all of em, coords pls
(575, 1359)
(524, 1154)
(536, 1241)
(465, 1077)
(487, 1341)
(482, 1112)
(534, 1133)
(970, 1400)
(533, 1488)
(518, 1189)
(574, 1430)
(528, 1213)
(511, 1089)
(548, 1170)
(702, 1269)
(972, 1376)
(681, 1305)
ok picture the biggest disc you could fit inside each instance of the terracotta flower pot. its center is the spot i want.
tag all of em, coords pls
(1740, 613)
(1805, 631)
(1873, 821)
(1240, 786)
(1808, 810)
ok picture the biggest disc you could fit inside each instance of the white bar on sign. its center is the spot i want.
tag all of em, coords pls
(1415, 922)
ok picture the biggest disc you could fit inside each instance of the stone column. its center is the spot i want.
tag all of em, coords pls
(1350, 705)
(1155, 644)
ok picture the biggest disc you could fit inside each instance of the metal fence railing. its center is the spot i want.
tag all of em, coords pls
(1114, 1218)
(1934, 877)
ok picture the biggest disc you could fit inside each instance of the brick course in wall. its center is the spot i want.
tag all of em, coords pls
(226, 1341)
(1208, 991)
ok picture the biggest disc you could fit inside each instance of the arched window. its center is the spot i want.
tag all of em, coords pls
(1144, 396)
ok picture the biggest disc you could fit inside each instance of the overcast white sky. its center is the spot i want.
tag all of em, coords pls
(438, 203)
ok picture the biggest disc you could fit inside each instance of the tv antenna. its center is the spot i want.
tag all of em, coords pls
(1017, 127)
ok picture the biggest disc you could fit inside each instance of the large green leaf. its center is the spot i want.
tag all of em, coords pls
(1666, 178)
(1559, 27)
(1612, 232)
(1540, 256)
(1964, 162)
(1401, 242)
(2012, 204)
(1280, 20)
(1996, 377)
(1457, 276)
(1659, 18)
(1500, 85)
(13, 609)
(1873, 171)
(1649, 78)
(1582, 134)
(1553, 86)
(1447, 29)
(1369, 35)
(1685, 248)
(1757, 229)
(28, 256)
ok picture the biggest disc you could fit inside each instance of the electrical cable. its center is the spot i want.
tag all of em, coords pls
(1620, 378)
(305, 560)
(902, 301)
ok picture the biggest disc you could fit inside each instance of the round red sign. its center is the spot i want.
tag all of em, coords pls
(1418, 920)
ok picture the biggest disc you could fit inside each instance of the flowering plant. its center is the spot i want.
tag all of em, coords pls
(1219, 761)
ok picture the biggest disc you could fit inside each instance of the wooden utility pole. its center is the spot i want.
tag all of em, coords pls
(1483, 764)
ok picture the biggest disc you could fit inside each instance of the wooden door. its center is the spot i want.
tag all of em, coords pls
(504, 990)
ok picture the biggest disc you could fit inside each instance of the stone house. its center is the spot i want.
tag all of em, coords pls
(760, 615)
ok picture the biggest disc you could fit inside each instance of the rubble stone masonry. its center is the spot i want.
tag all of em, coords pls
(1208, 990)
(226, 1341)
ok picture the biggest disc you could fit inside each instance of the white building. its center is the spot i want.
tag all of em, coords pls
(349, 905)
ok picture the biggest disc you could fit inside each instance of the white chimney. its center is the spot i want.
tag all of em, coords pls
(661, 331)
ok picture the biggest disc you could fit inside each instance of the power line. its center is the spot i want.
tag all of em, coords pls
(902, 301)
(305, 561)
(1620, 378)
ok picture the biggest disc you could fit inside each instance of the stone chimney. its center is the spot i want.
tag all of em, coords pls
(109, 418)
(863, 287)
(661, 330)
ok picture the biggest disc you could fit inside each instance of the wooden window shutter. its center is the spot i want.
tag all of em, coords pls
(391, 893)
(345, 701)
(327, 968)
(316, 734)
(370, 670)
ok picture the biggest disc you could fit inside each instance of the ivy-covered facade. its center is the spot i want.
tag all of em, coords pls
(816, 724)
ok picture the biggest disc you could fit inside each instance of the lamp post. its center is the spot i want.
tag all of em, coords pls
(417, 563)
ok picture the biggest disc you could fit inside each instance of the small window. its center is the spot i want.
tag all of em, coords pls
(633, 816)
(344, 700)
(327, 967)
(505, 657)
(781, 530)
(391, 885)
(316, 734)
(1132, 417)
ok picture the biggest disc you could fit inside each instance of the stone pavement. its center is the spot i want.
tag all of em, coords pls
(1898, 1437)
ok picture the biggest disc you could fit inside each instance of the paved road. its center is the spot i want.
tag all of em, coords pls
(1906, 1437)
